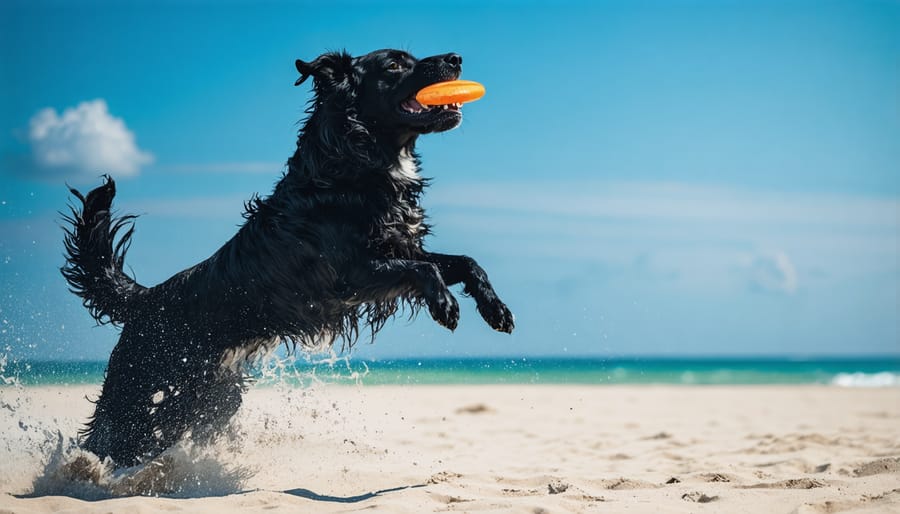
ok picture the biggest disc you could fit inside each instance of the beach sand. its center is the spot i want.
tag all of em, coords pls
(515, 448)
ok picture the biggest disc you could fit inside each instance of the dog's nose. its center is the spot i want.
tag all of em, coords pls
(454, 60)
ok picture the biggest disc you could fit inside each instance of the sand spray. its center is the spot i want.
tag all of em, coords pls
(40, 455)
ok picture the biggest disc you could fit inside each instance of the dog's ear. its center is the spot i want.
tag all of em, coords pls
(329, 67)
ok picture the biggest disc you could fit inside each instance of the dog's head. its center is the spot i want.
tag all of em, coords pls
(380, 89)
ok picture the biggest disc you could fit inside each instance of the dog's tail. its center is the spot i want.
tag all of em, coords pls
(94, 259)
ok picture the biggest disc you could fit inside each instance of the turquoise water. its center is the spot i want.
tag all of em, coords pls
(868, 371)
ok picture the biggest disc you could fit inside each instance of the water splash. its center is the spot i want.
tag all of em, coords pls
(40, 458)
(40, 454)
(307, 369)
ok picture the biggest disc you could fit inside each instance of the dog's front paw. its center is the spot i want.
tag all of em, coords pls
(444, 309)
(498, 316)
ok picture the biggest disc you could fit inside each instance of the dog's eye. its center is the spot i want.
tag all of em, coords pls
(394, 66)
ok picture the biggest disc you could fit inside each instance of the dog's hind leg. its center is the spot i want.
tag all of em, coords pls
(461, 269)
(386, 280)
(218, 400)
(146, 408)
(123, 424)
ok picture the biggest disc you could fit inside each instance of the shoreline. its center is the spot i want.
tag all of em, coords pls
(850, 371)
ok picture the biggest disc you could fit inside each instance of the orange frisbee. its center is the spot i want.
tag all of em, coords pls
(450, 92)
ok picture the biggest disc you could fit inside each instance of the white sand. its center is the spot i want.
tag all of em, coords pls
(526, 449)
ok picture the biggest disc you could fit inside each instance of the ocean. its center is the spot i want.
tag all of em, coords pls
(844, 371)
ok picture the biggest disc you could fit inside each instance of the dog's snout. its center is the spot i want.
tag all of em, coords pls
(442, 66)
(454, 60)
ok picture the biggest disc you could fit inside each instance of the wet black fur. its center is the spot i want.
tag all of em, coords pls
(337, 247)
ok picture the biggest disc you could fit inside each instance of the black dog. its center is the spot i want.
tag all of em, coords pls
(337, 246)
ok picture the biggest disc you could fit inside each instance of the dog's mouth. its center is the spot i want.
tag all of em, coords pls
(422, 118)
(412, 106)
(430, 118)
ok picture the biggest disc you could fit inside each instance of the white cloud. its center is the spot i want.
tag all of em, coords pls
(773, 273)
(83, 142)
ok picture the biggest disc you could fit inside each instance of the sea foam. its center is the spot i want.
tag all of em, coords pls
(884, 379)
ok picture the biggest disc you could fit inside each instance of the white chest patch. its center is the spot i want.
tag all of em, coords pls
(407, 170)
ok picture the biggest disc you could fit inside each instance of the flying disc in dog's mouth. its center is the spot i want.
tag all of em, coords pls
(451, 92)
(447, 95)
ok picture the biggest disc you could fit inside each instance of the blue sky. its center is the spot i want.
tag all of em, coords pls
(642, 177)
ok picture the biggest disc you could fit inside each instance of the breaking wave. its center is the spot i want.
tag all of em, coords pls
(883, 379)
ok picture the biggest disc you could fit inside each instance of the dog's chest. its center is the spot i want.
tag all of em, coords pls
(400, 228)
(398, 233)
(406, 171)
